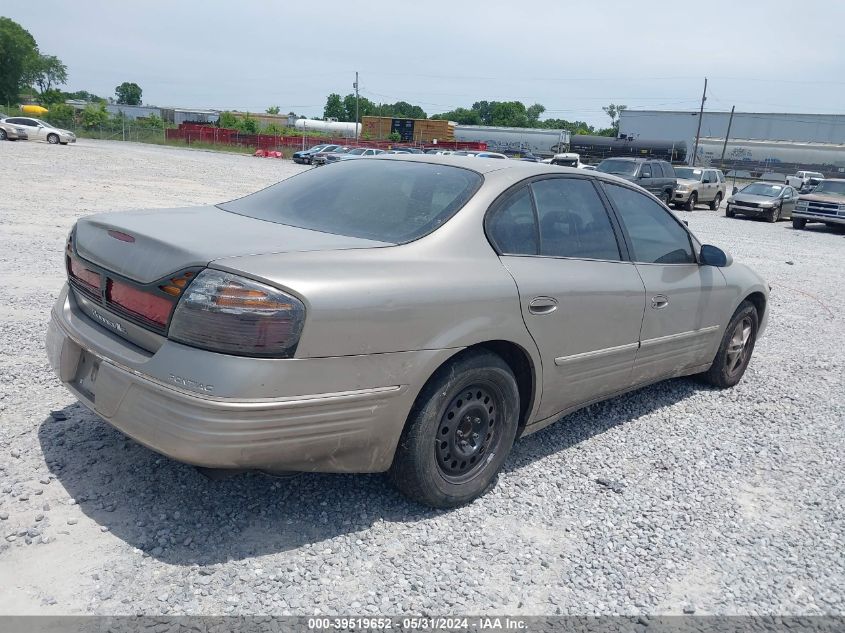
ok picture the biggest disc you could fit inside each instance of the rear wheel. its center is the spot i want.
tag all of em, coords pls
(666, 197)
(52, 139)
(459, 432)
(717, 202)
(3, 135)
(736, 348)
(798, 223)
(693, 200)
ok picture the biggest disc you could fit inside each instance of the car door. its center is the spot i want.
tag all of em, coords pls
(684, 301)
(708, 186)
(788, 199)
(647, 177)
(33, 128)
(581, 300)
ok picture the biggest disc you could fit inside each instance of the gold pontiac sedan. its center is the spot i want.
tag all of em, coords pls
(408, 314)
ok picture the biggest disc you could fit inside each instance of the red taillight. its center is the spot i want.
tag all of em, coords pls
(143, 304)
(88, 278)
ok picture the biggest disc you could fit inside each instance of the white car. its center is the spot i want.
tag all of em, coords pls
(38, 130)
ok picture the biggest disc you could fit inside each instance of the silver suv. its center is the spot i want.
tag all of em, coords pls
(697, 185)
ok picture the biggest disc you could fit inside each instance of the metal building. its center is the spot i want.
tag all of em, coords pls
(758, 126)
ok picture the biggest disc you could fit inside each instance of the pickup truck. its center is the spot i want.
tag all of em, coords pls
(826, 203)
(802, 178)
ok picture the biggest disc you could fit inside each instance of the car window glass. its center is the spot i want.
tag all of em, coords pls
(721, 176)
(573, 220)
(645, 171)
(512, 226)
(656, 237)
(668, 170)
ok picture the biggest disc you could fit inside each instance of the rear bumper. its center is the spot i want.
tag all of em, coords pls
(326, 429)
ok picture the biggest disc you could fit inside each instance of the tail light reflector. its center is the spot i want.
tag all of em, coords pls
(89, 278)
(143, 304)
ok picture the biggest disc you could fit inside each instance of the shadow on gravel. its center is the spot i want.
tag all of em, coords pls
(178, 516)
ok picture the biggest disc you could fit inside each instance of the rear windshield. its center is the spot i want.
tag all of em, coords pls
(385, 200)
(688, 173)
(618, 167)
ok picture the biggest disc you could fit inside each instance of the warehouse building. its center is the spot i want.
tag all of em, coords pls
(828, 129)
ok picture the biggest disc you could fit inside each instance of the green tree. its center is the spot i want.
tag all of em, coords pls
(614, 111)
(394, 136)
(46, 72)
(274, 129)
(365, 107)
(128, 93)
(462, 116)
(485, 112)
(95, 115)
(227, 120)
(273, 110)
(508, 114)
(18, 52)
(334, 108)
(61, 115)
(247, 124)
(533, 113)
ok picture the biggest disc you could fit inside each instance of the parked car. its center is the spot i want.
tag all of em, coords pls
(803, 178)
(357, 152)
(411, 150)
(38, 130)
(566, 159)
(397, 151)
(405, 314)
(321, 157)
(699, 184)
(9, 132)
(763, 200)
(490, 155)
(826, 203)
(304, 157)
(655, 176)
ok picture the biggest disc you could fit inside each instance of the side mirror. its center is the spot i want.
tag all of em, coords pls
(645, 174)
(735, 189)
(714, 256)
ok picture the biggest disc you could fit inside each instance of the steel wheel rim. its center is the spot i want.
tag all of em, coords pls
(468, 433)
(739, 345)
(53, 139)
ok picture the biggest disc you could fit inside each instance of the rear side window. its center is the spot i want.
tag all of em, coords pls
(513, 227)
(388, 201)
(721, 176)
(573, 220)
(668, 170)
(656, 237)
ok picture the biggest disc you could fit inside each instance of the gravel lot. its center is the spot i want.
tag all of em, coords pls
(676, 497)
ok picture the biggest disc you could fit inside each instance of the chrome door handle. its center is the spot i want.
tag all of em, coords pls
(658, 302)
(542, 305)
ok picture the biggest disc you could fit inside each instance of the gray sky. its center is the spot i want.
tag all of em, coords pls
(573, 57)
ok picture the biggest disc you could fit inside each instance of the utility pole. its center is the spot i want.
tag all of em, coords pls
(700, 116)
(727, 135)
(355, 85)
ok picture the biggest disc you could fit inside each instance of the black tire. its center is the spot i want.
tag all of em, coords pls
(732, 358)
(716, 202)
(666, 197)
(691, 201)
(424, 468)
(774, 215)
(729, 212)
(53, 139)
(799, 223)
(3, 135)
